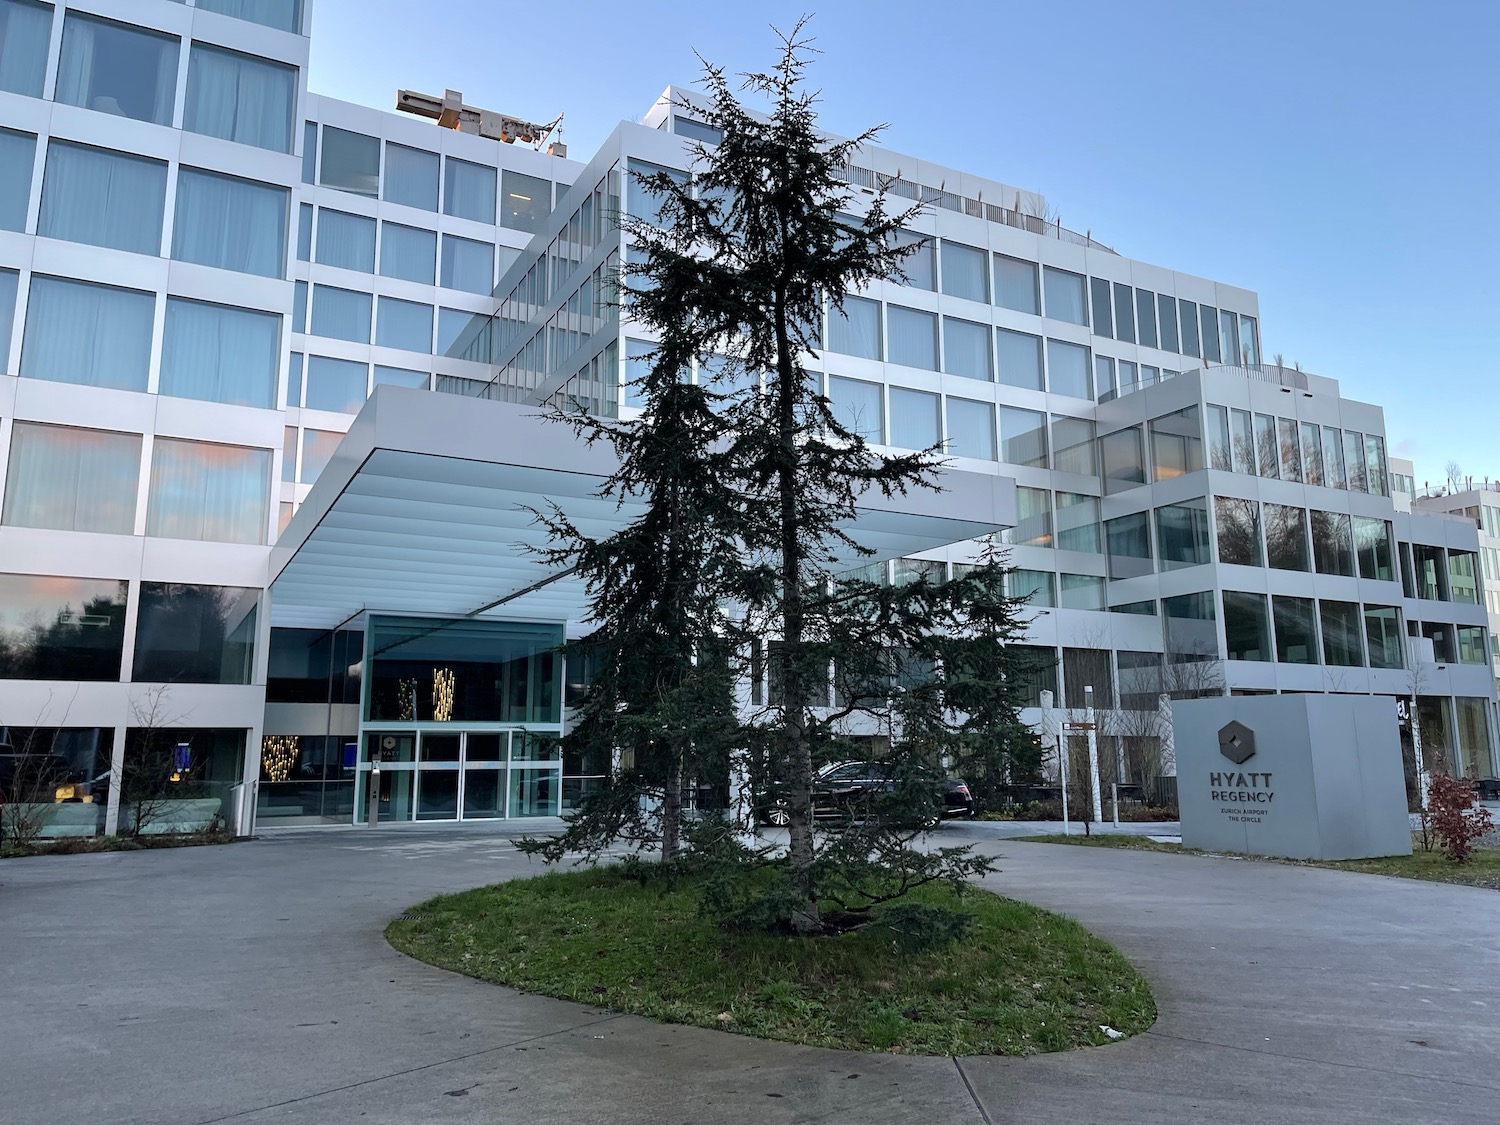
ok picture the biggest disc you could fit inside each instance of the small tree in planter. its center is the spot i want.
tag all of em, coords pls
(1458, 820)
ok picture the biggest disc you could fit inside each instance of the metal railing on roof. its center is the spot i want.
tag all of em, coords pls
(1264, 373)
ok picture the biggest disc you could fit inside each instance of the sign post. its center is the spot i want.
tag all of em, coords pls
(1088, 711)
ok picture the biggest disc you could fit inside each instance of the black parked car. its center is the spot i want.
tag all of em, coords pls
(840, 791)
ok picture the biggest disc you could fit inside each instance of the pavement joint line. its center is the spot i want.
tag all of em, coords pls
(409, 1070)
(1446, 1080)
(984, 1114)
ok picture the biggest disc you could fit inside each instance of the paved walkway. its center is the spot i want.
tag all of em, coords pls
(252, 984)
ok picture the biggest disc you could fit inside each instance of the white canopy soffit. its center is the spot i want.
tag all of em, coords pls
(426, 509)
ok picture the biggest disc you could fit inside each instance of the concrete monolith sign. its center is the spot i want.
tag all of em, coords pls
(1301, 776)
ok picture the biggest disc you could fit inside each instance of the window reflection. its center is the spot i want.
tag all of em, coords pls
(195, 634)
(54, 628)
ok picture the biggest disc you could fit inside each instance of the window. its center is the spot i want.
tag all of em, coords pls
(1462, 580)
(1033, 519)
(468, 265)
(1015, 284)
(408, 253)
(240, 98)
(1333, 543)
(1121, 459)
(1023, 437)
(452, 323)
(8, 286)
(103, 198)
(233, 224)
(1444, 648)
(1342, 647)
(1247, 636)
(294, 379)
(914, 419)
(964, 273)
(1375, 465)
(411, 177)
(1188, 630)
(335, 384)
(1374, 544)
(304, 232)
(400, 377)
(1291, 452)
(1124, 313)
(1432, 576)
(1078, 523)
(1312, 455)
(1354, 461)
(1333, 458)
(918, 265)
(971, 429)
(216, 353)
(857, 407)
(309, 152)
(25, 28)
(912, 337)
(299, 307)
(284, 15)
(54, 628)
(1267, 447)
(1472, 645)
(1384, 635)
(94, 335)
(351, 162)
(1036, 586)
(341, 314)
(1208, 323)
(1103, 321)
(1087, 668)
(525, 200)
(72, 479)
(469, 191)
(17, 155)
(1242, 441)
(1068, 369)
(1286, 537)
(1296, 630)
(1249, 344)
(1229, 340)
(1168, 309)
(317, 450)
(1182, 535)
(1104, 378)
(1127, 540)
(1138, 609)
(1020, 358)
(1081, 591)
(1064, 296)
(1073, 445)
(219, 493)
(1176, 444)
(1216, 427)
(966, 348)
(1189, 312)
(855, 329)
(195, 634)
(115, 68)
(346, 241)
(404, 324)
(1145, 313)
(1239, 531)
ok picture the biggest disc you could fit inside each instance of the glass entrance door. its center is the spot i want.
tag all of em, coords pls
(438, 775)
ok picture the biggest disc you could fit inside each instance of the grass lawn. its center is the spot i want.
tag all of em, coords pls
(1023, 981)
(1482, 871)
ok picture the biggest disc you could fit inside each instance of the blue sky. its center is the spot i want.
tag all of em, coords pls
(1339, 157)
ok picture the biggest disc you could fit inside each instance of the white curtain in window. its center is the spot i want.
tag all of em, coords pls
(336, 384)
(404, 324)
(216, 353)
(914, 418)
(1023, 436)
(346, 241)
(408, 253)
(1068, 369)
(8, 280)
(856, 329)
(25, 27)
(103, 198)
(468, 265)
(966, 348)
(240, 98)
(218, 493)
(95, 335)
(912, 337)
(411, 177)
(17, 153)
(72, 479)
(469, 191)
(341, 314)
(283, 14)
(119, 70)
(971, 429)
(857, 405)
(229, 223)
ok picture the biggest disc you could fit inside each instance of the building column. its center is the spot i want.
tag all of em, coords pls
(116, 770)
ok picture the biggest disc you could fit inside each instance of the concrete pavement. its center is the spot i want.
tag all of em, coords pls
(251, 983)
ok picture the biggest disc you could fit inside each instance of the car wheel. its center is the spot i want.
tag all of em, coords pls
(778, 816)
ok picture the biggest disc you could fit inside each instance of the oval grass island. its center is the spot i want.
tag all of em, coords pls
(1022, 981)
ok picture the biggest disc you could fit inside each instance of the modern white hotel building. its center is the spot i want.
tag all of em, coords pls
(206, 271)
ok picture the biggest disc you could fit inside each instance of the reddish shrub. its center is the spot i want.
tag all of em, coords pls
(1458, 820)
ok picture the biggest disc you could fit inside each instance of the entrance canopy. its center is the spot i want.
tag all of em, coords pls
(427, 507)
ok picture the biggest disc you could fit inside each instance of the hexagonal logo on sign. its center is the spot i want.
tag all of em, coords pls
(1236, 742)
